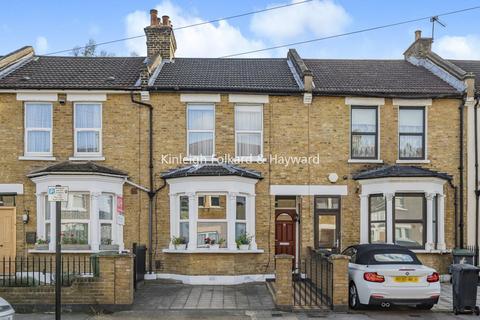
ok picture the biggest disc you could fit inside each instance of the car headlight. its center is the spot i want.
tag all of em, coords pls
(5, 308)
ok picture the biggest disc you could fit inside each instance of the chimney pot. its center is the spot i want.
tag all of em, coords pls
(418, 34)
(153, 17)
(166, 20)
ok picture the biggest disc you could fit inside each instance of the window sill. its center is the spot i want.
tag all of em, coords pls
(212, 251)
(37, 158)
(86, 158)
(250, 160)
(364, 161)
(413, 161)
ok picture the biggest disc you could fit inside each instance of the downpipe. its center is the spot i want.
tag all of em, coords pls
(460, 172)
(477, 192)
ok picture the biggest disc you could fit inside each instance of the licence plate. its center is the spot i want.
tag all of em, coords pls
(405, 279)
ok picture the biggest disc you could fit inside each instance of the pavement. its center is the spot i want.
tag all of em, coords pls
(160, 300)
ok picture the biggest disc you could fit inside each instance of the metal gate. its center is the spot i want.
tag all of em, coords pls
(139, 267)
(313, 282)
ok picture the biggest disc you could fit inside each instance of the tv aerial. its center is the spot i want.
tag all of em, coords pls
(435, 20)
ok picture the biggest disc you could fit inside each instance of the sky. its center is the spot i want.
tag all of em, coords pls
(53, 25)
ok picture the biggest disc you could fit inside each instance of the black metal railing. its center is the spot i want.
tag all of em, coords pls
(313, 281)
(31, 271)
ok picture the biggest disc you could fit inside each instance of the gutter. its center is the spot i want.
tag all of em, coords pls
(150, 191)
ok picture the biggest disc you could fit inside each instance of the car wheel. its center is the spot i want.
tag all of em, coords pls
(353, 300)
(424, 306)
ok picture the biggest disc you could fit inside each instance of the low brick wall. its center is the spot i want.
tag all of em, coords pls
(438, 261)
(112, 286)
(340, 282)
(283, 281)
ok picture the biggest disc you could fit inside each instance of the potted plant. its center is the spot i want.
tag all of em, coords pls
(212, 243)
(221, 242)
(243, 241)
(73, 243)
(180, 243)
(41, 244)
(107, 245)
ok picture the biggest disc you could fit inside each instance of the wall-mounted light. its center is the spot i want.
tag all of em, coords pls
(25, 216)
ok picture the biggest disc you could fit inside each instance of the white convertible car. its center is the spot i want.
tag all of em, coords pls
(385, 275)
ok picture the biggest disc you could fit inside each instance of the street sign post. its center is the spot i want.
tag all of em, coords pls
(58, 194)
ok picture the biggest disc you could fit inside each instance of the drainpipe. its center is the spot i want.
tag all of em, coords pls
(460, 171)
(151, 193)
(477, 192)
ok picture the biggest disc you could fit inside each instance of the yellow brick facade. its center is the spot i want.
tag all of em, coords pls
(290, 129)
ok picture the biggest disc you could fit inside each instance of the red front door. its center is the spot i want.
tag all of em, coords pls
(285, 231)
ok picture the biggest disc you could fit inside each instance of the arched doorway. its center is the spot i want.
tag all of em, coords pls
(285, 231)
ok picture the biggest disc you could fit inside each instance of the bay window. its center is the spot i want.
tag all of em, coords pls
(364, 132)
(240, 217)
(88, 129)
(75, 219)
(249, 131)
(38, 129)
(212, 220)
(48, 221)
(184, 217)
(201, 130)
(411, 133)
(105, 211)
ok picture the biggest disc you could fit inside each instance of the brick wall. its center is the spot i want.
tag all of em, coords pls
(113, 286)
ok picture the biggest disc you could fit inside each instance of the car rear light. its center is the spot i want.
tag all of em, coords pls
(434, 277)
(373, 277)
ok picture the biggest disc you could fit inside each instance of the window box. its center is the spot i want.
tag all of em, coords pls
(109, 247)
(43, 246)
(244, 247)
(75, 247)
(181, 246)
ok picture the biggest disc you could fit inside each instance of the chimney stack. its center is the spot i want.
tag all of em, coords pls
(420, 48)
(160, 37)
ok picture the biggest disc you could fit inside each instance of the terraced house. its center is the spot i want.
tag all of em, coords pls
(321, 153)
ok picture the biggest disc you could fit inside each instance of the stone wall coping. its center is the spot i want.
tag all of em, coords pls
(284, 256)
(339, 257)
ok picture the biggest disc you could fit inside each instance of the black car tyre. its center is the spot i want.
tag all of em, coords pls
(353, 300)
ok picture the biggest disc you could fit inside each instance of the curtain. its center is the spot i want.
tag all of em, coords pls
(248, 120)
(249, 144)
(364, 120)
(88, 116)
(201, 119)
(411, 146)
(38, 141)
(411, 121)
(200, 143)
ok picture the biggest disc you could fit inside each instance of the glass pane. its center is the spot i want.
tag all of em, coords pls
(88, 116)
(241, 202)
(88, 141)
(249, 144)
(7, 201)
(327, 203)
(201, 119)
(74, 233)
(377, 208)
(38, 115)
(240, 229)
(211, 232)
(184, 208)
(285, 202)
(105, 207)
(284, 217)
(47, 208)
(364, 120)
(411, 147)
(409, 234)
(48, 232)
(214, 207)
(327, 231)
(38, 141)
(393, 257)
(378, 232)
(411, 121)
(77, 207)
(200, 143)
(248, 120)
(409, 208)
(106, 233)
(184, 230)
(363, 146)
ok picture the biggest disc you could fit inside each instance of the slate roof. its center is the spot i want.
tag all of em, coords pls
(70, 167)
(52, 72)
(376, 78)
(399, 171)
(470, 66)
(211, 169)
(219, 74)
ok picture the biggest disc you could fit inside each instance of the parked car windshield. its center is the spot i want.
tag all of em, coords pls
(393, 257)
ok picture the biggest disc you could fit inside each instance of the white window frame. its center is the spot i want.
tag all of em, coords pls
(26, 130)
(226, 220)
(99, 130)
(83, 221)
(200, 106)
(105, 221)
(251, 108)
